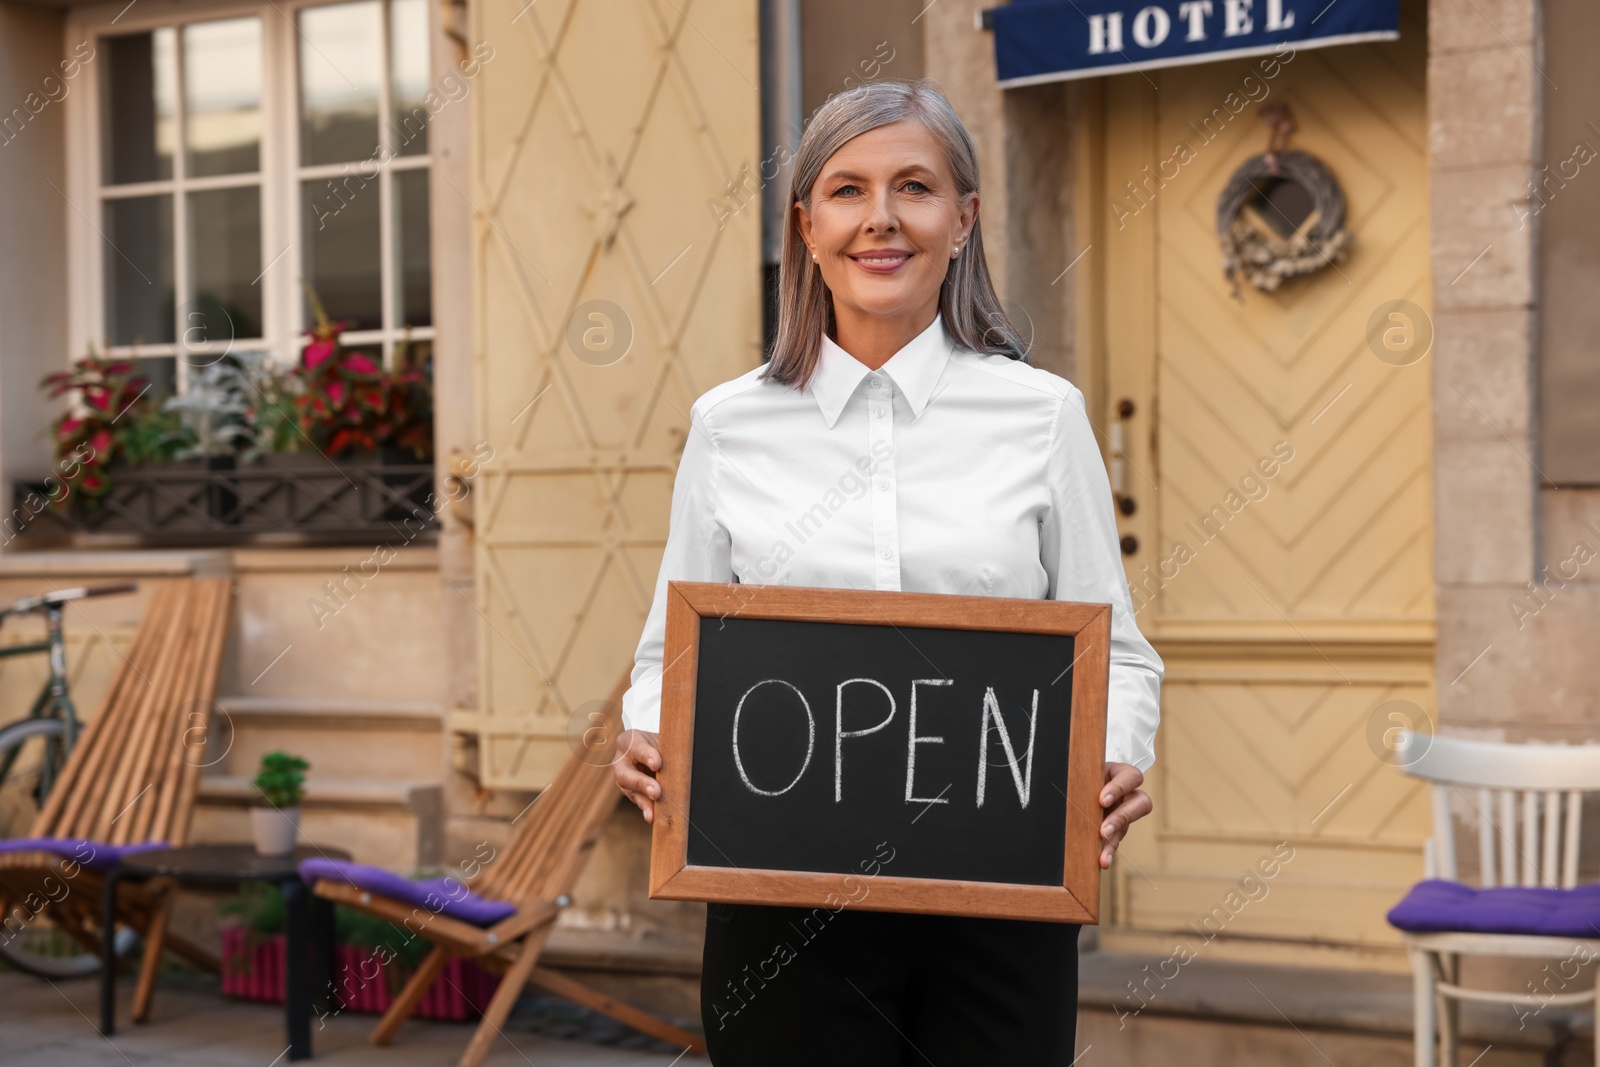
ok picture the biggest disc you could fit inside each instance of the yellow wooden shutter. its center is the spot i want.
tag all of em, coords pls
(605, 136)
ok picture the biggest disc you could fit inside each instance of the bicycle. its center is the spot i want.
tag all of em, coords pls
(33, 751)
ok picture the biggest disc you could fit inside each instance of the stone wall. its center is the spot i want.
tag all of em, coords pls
(33, 268)
(1513, 660)
(1027, 143)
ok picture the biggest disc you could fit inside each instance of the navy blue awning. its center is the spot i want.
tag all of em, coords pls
(1053, 40)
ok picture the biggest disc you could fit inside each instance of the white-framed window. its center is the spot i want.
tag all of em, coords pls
(221, 153)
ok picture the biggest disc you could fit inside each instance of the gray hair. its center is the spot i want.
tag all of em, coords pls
(967, 303)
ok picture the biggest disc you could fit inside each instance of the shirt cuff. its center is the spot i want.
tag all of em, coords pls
(641, 704)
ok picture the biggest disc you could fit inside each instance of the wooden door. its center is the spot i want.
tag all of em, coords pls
(1280, 474)
(616, 277)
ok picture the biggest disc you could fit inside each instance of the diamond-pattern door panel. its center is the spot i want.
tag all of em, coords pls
(1345, 530)
(609, 298)
(1303, 602)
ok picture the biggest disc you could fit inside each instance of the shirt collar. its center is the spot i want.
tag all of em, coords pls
(915, 369)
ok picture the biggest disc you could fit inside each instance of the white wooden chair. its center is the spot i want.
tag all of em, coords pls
(1529, 804)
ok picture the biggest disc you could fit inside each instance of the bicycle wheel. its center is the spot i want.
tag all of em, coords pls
(33, 753)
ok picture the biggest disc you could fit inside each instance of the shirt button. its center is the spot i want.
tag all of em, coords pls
(887, 552)
(874, 382)
(877, 413)
(883, 487)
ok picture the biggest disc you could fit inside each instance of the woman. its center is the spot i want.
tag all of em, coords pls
(894, 360)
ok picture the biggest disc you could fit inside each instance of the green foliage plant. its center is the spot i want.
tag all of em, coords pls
(281, 781)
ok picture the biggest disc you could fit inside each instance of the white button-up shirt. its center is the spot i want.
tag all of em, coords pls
(945, 471)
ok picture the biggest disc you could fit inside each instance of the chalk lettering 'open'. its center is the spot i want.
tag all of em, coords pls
(990, 723)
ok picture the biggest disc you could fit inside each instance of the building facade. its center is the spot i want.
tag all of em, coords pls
(1363, 499)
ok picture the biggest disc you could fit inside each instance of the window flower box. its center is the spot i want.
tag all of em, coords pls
(363, 497)
(336, 448)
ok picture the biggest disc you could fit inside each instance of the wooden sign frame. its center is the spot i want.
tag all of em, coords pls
(1076, 899)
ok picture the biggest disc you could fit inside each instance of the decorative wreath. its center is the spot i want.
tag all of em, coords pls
(1262, 253)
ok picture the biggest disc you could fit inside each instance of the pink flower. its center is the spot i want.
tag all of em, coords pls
(336, 392)
(69, 427)
(100, 441)
(359, 363)
(318, 351)
(99, 399)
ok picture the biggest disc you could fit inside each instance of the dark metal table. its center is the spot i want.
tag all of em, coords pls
(308, 920)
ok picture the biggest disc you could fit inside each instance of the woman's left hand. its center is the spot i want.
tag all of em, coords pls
(1123, 802)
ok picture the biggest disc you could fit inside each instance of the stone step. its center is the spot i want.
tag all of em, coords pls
(391, 823)
(656, 974)
(1142, 1009)
(347, 738)
(574, 948)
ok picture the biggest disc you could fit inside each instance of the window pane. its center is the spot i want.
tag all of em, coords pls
(162, 372)
(416, 351)
(224, 261)
(340, 224)
(137, 107)
(138, 270)
(340, 78)
(222, 96)
(408, 55)
(413, 293)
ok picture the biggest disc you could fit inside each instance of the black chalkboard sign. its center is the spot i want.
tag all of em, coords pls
(890, 751)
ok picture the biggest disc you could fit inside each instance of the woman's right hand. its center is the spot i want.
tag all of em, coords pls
(638, 759)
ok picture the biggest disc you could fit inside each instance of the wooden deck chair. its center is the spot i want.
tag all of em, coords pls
(536, 873)
(130, 781)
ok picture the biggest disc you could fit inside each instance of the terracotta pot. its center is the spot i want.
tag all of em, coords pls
(275, 830)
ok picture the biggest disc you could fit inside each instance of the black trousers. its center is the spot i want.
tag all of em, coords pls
(801, 986)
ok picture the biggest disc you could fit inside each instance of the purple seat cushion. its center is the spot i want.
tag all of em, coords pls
(443, 896)
(1436, 905)
(92, 855)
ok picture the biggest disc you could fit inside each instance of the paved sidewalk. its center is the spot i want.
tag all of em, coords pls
(53, 1024)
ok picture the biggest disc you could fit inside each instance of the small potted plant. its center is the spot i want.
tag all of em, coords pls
(281, 783)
